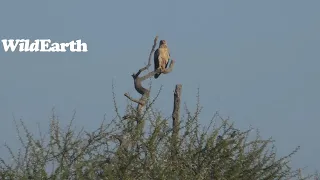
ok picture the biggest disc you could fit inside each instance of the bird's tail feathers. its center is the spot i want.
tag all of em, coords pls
(157, 75)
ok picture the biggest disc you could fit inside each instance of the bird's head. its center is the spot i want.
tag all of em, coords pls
(163, 43)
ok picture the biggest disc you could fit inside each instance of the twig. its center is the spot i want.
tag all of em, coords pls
(149, 61)
(132, 99)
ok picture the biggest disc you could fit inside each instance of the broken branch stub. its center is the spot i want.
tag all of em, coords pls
(176, 118)
(176, 109)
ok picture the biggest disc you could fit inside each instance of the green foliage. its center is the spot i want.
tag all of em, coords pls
(125, 149)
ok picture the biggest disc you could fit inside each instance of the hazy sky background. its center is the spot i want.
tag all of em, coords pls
(254, 61)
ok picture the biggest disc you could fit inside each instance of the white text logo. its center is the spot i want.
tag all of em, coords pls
(42, 45)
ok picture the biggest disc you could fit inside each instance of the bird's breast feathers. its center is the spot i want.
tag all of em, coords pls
(164, 53)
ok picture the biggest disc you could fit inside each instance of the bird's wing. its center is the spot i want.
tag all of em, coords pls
(155, 59)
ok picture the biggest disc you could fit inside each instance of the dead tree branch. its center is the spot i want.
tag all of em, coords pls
(145, 93)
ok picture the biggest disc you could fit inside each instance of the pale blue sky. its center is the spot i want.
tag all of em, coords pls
(255, 61)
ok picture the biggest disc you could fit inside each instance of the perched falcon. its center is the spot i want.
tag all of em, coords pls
(161, 57)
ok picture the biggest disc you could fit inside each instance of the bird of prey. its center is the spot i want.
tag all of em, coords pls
(161, 58)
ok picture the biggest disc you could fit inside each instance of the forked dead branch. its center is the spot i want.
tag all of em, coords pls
(145, 93)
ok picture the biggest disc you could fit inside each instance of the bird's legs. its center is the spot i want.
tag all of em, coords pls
(163, 67)
(160, 64)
